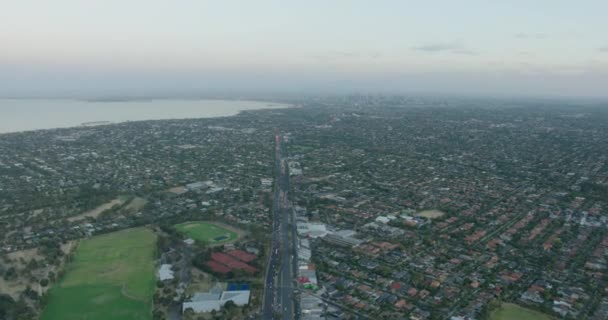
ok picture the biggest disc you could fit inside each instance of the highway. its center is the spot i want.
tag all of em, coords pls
(278, 298)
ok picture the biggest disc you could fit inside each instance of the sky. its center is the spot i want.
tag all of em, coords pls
(139, 47)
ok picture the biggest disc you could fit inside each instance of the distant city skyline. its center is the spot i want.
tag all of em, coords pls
(138, 47)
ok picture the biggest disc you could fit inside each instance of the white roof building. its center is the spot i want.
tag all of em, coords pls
(346, 233)
(165, 272)
(383, 219)
(202, 304)
(304, 254)
(312, 229)
(197, 185)
(240, 298)
(215, 299)
(312, 307)
(304, 243)
(310, 274)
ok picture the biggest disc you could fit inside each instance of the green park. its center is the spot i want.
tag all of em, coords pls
(110, 277)
(510, 311)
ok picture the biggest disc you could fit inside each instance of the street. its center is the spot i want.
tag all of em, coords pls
(280, 273)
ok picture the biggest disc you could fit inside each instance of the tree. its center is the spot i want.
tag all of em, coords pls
(44, 282)
(158, 315)
(10, 274)
(10, 309)
(28, 292)
(229, 305)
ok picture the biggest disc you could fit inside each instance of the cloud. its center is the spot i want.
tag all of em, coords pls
(538, 36)
(438, 47)
(603, 49)
(354, 54)
(343, 55)
(444, 47)
(464, 51)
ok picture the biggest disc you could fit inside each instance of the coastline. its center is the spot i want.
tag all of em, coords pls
(235, 110)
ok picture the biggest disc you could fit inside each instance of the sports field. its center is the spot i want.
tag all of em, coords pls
(111, 277)
(510, 311)
(207, 232)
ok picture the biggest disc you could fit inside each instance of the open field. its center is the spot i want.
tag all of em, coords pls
(97, 211)
(111, 277)
(201, 282)
(510, 311)
(19, 261)
(15, 287)
(136, 204)
(208, 232)
(178, 190)
(431, 214)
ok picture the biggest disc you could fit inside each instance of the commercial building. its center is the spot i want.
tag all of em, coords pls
(216, 298)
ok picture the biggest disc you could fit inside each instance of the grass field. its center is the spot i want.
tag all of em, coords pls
(112, 276)
(207, 232)
(510, 311)
(99, 210)
(431, 214)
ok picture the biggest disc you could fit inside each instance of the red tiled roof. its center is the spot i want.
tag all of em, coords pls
(231, 262)
(218, 267)
(242, 255)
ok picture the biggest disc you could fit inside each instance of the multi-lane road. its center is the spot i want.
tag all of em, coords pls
(279, 300)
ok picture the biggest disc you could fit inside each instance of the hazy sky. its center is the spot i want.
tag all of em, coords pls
(515, 47)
